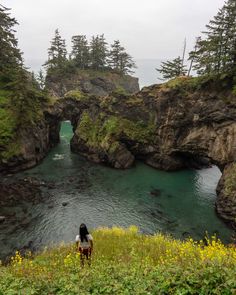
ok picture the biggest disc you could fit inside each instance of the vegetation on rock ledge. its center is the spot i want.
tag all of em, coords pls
(125, 262)
(105, 131)
(20, 94)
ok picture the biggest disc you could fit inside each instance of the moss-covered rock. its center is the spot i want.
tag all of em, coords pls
(110, 136)
(76, 94)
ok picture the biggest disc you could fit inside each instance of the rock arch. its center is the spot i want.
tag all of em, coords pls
(163, 128)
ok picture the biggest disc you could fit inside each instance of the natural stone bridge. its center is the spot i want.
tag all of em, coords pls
(166, 127)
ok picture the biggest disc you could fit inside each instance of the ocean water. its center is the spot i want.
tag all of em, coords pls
(147, 73)
(179, 203)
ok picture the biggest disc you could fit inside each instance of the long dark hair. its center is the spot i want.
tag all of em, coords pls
(83, 232)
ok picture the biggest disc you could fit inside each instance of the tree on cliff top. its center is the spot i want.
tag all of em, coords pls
(21, 93)
(216, 53)
(10, 55)
(95, 56)
(119, 60)
(80, 52)
(172, 68)
(57, 52)
(98, 52)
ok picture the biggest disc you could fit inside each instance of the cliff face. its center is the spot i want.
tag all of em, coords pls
(226, 190)
(161, 126)
(99, 83)
(33, 143)
(166, 126)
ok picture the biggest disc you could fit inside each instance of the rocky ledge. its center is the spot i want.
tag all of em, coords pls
(171, 126)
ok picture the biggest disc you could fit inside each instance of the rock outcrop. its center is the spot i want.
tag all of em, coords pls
(226, 191)
(99, 83)
(32, 144)
(159, 125)
(169, 126)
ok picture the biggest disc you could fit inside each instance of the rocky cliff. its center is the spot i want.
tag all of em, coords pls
(167, 126)
(32, 143)
(170, 126)
(99, 83)
(226, 191)
(161, 125)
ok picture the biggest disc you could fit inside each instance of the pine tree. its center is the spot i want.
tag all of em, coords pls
(114, 55)
(23, 95)
(98, 52)
(80, 51)
(10, 55)
(230, 36)
(119, 60)
(216, 53)
(126, 64)
(172, 69)
(41, 79)
(57, 53)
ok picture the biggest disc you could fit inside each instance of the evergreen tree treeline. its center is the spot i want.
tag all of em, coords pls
(214, 52)
(20, 90)
(172, 68)
(10, 55)
(94, 55)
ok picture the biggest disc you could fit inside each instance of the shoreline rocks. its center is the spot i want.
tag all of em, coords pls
(13, 192)
(167, 127)
(226, 195)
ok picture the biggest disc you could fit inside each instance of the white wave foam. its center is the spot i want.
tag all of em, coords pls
(58, 157)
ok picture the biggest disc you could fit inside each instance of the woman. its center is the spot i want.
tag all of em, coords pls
(84, 244)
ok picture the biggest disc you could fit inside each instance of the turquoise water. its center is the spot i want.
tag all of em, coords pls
(179, 203)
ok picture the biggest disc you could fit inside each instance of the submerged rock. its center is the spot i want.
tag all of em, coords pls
(155, 192)
(2, 219)
(14, 192)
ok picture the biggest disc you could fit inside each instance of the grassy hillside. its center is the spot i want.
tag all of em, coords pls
(125, 262)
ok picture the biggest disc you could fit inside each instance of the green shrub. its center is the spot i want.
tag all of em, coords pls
(76, 94)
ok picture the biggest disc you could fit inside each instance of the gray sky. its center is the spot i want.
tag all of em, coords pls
(152, 29)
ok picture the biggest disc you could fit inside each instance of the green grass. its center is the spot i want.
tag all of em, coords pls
(125, 262)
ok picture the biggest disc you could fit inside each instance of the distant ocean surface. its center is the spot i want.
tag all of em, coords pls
(146, 70)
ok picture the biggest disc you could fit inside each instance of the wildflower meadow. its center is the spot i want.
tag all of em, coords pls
(125, 262)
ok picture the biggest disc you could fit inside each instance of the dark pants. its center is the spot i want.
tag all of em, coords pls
(85, 253)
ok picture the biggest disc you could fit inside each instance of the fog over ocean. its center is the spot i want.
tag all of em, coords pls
(146, 71)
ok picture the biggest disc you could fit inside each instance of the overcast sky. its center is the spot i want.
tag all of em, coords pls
(152, 29)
